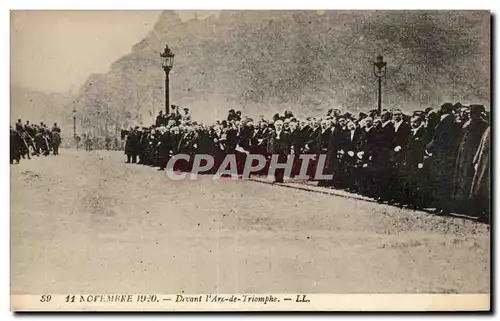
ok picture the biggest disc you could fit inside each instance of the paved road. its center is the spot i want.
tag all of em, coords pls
(88, 222)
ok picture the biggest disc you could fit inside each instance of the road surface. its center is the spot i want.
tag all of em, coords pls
(86, 222)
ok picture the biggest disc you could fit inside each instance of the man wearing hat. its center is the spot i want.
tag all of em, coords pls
(186, 115)
(443, 150)
(161, 119)
(132, 145)
(56, 128)
(361, 116)
(19, 126)
(288, 114)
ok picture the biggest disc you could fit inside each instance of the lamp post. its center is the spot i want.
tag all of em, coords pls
(168, 63)
(74, 122)
(379, 69)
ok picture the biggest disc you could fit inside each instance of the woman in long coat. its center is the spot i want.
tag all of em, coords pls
(472, 132)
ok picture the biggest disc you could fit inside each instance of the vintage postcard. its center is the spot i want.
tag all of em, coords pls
(250, 160)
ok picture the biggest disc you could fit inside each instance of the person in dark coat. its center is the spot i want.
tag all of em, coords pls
(188, 139)
(413, 177)
(259, 138)
(188, 145)
(218, 136)
(245, 135)
(89, 142)
(175, 140)
(302, 138)
(259, 142)
(56, 128)
(295, 141)
(15, 146)
(132, 145)
(41, 142)
(142, 146)
(443, 149)
(480, 187)
(19, 126)
(232, 137)
(164, 148)
(402, 132)
(174, 144)
(279, 144)
(238, 115)
(107, 143)
(314, 133)
(56, 142)
(335, 143)
(204, 142)
(323, 137)
(472, 132)
(432, 119)
(161, 120)
(322, 147)
(231, 115)
(382, 165)
(29, 136)
(244, 146)
(350, 146)
(148, 137)
(368, 144)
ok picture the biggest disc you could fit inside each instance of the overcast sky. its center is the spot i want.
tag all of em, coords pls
(55, 51)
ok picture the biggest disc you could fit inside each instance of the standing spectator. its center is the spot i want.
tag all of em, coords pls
(443, 149)
(480, 188)
(472, 132)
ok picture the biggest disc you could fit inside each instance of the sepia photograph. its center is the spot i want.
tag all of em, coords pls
(250, 160)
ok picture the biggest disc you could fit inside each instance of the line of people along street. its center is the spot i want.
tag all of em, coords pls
(27, 140)
(432, 158)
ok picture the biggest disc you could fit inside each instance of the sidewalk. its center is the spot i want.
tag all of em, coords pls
(312, 187)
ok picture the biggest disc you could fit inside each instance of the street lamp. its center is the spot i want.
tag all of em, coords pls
(168, 63)
(74, 122)
(379, 69)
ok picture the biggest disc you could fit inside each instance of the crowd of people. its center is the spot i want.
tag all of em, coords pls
(432, 158)
(28, 140)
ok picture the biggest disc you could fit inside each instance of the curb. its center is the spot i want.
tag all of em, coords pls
(315, 189)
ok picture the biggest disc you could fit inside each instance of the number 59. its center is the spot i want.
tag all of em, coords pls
(45, 298)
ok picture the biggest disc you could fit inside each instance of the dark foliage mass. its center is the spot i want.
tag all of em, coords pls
(268, 61)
